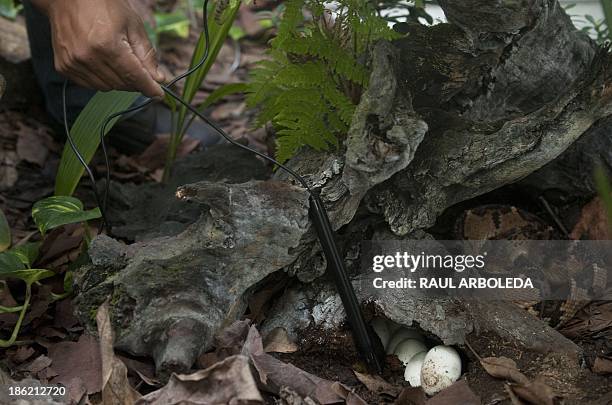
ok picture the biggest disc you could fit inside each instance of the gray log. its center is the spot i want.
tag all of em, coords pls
(452, 112)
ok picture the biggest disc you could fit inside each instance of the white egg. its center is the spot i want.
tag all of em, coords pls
(382, 330)
(399, 336)
(413, 369)
(441, 368)
(408, 348)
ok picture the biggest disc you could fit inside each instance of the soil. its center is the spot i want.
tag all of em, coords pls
(333, 356)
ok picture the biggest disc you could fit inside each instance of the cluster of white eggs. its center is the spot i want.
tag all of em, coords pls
(433, 369)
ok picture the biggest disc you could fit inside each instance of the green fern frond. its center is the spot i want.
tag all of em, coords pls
(306, 88)
(341, 103)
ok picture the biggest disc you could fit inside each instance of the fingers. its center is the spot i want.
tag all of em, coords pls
(135, 75)
(80, 74)
(104, 70)
(121, 59)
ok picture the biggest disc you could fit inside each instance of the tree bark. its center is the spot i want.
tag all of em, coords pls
(452, 111)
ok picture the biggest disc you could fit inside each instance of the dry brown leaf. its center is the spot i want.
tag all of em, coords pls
(227, 382)
(350, 398)
(458, 393)
(250, 22)
(145, 371)
(411, 396)
(595, 320)
(536, 392)
(208, 359)
(36, 365)
(60, 242)
(116, 389)
(154, 157)
(377, 384)
(503, 367)
(602, 365)
(20, 354)
(64, 315)
(51, 332)
(77, 390)
(228, 110)
(29, 146)
(46, 374)
(275, 374)
(593, 222)
(278, 341)
(7, 320)
(232, 336)
(513, 397)
(8, 169)
(78, 360)
(41, 299)
(228, 342)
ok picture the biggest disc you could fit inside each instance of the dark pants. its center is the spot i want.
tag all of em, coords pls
(51, 82)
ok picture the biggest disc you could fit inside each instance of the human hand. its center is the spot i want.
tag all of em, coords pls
(102, 44)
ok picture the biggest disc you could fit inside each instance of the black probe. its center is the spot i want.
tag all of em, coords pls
(368, 346)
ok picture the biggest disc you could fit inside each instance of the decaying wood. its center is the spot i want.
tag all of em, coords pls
(452, 111)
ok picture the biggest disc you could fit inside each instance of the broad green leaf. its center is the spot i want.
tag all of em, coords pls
(27, 253)
(196, 4)
(68, 282)
(221, 92)
(236, 33)
(9, 9)
(9, 261)
(5, 233)
(60, 210)
(217, 34)
(86, 135)
(266, 23)
(176, 23)
(29, 276)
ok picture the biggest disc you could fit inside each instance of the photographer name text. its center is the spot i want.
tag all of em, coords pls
(410, 263)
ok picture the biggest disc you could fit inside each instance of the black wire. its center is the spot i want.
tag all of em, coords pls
(320, 218)
(102, 202)
(79, 156)
(191, 108)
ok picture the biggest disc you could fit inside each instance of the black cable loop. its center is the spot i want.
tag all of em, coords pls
(102, 201)
(361, 332)
(79, 156)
